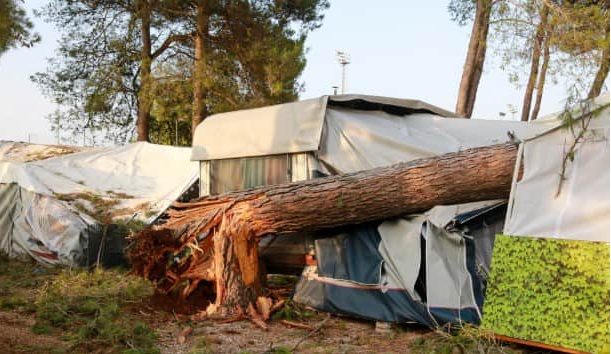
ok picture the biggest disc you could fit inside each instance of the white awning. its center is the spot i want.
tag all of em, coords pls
(279, 129)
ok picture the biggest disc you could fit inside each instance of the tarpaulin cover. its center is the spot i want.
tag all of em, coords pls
(580, 211)
(47, 207)
(358, 140)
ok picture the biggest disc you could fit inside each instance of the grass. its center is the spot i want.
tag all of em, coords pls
(89, 310)
(99, 311)
(96, 308)
(460, 340)
(19, 281)
(292, 311)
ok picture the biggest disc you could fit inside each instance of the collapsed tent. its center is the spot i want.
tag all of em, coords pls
(62, 210)
(421, 268)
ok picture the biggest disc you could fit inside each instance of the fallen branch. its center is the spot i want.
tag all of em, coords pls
(312, 332)
(296, 324)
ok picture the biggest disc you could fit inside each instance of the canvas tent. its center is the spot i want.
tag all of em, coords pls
(421, 268)
(51, 209)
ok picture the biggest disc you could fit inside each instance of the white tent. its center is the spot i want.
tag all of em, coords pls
(48, 206)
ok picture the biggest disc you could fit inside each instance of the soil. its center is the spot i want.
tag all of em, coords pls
(336, 335)
(328, 334)
(16, 336)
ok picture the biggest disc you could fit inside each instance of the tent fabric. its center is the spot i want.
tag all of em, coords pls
(9, 200)
(372, 271)
(350, 130)
(358, 140)
(15, 151)
(396, 106)
(279, 129)
(581, 210)
(38, 199)
(45, 229)
(290, 127)
(140, 175)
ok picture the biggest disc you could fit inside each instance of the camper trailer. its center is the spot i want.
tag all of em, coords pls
(422, 268)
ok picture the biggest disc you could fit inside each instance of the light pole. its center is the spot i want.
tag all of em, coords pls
(344, 59)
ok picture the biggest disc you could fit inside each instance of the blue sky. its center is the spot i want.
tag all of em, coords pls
(397, 48)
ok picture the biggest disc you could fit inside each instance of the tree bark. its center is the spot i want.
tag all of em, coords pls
(474, 61)
(199, 67)
(144, 92)
(534, 65)
(603, 69)
(215, 239)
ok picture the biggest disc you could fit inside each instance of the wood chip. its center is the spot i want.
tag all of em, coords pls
(297, 325)
(182, 336)
(264, 305)
(277, 306)
(255, 317)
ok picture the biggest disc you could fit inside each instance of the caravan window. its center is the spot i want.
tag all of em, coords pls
(243, 173)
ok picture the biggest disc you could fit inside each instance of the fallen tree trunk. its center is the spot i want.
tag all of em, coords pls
(214, 240)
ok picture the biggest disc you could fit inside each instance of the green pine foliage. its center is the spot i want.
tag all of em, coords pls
(15, 26)
(106, 78)
(550, 291)
(96, 309)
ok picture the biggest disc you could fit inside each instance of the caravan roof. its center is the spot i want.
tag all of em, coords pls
(350, 132)
(287, 128)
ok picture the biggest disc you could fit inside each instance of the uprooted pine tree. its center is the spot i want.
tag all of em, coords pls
(213, 242)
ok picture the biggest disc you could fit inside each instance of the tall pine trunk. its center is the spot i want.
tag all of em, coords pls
(199, 66)
(144, 92)
(474, 61)
(541, 82)
(603, 69)
(535, 62)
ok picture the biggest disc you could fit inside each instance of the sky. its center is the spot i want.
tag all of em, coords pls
(397, 48)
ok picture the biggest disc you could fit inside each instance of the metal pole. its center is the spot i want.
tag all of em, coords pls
(343, 59)
(343, 77)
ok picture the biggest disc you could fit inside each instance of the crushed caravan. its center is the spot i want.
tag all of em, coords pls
(65, 209)
(422, 268)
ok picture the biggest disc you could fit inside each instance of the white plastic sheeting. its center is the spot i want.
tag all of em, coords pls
(42, 227)
(581, 210)
(358, 140)
(144, 178)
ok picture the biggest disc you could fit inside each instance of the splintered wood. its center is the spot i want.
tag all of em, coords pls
(214, 241)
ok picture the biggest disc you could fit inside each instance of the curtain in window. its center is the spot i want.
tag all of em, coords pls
(244, 173)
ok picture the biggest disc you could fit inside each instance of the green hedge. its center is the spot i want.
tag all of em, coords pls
(550, 291)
